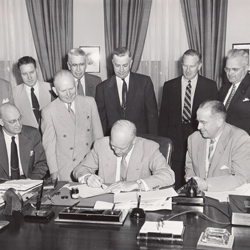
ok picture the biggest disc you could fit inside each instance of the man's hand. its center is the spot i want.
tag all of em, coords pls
(122, 186)
(94, 181)
(202, 184)
(55, 176)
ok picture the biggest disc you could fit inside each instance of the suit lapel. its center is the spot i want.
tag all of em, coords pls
(3, 154)
(113, 94)
(88, 86)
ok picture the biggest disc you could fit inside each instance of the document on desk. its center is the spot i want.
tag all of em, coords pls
(20, 185)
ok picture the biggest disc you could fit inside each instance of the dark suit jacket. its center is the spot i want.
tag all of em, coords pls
(170, 120)
(32, 154)
(91, 82)
(238, 112)
(141, 104)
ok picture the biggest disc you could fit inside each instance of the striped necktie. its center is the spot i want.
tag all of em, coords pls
(186, 115)
(230, 96)
(124, 168)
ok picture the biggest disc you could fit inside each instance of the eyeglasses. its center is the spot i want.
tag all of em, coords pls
(234, 70)
(12, 122)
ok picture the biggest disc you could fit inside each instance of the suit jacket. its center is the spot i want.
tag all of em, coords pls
(238, 113)
(65, 142)
(230, 163)
(21, 100)
(141, 104)
(146, 162)
(91, 81)
(5, 92)
(170, 120)
(32, 154)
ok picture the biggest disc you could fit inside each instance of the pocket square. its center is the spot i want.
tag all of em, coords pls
(5, 100)
(224, 167)
(31, 153)
(246, 100)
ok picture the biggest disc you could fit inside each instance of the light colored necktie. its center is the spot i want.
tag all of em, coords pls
(80, 90)
(230, 96)
(186, 116)
(210, 153)
(71, 112)
(124, 168)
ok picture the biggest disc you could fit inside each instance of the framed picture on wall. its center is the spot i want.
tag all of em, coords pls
(93, 58)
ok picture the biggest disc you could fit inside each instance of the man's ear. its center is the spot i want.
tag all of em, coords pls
(130, 64)
(69, 66)
(200, 65)
(54, 90)
(1, 122)
(219, 122)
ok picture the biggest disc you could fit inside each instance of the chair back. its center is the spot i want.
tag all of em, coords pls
(166, 146)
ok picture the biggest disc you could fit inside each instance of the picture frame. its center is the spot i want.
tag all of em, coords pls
(93, 58)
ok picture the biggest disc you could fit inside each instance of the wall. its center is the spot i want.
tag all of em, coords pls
(89, 28)
(238, 23)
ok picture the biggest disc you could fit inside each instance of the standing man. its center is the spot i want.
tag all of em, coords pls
(77, 64)
(5, 92)
(70, 125)
(32, 95)
(21, 150)
(218, 154)
(235, 94)
(180, 100)
(127, 95)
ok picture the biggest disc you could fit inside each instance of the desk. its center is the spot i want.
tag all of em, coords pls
(24, 235)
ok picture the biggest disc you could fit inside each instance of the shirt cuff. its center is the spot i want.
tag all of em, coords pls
(82, 179)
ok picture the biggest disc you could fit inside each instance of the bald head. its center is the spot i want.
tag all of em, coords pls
(64, 83)
(123, 134)
(10, 119)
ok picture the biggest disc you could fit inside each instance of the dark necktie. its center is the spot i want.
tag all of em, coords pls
(14, 164)
(230, 96)
(124, 168)
(186, 116)
(80, 90)
(124, 96)
(35, 105)
(71, 112)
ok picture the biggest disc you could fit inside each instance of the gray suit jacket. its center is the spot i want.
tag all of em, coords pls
(65, 142)
(146, 162)
(32, 154)
(5, 92)
(21, 100)
(230, 163)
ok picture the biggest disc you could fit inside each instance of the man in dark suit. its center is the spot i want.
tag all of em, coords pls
(235, 94)
(178, 108)
(5, 92)
(77, 64)
(21, 151)
(127, 95)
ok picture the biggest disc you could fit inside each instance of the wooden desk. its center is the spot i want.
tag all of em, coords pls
(24, 235)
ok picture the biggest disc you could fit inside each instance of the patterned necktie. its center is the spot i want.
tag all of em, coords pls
(80, 90)
(35, 105)
(14, 164)
(230, 96)
(210, 153)
(124, 96)
(71, 112)
(124, 168)
(186, 116)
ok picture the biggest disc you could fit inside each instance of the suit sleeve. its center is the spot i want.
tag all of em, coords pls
(96, 123)
(49, 140)
(40, 167)
(164, 112)
(99, 98)
(162, 174)
(239, 172)
(151, 107)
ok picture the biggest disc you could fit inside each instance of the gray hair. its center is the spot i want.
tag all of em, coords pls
(239, 53)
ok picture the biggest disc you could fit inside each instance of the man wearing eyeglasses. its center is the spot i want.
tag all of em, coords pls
(235, 94)
(218, 153)
(126, 161)
(77, 64)
(21, 151)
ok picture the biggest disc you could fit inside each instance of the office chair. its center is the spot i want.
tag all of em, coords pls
(166, 146)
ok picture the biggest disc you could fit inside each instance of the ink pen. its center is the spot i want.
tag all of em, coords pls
(39, 200)
(112, 209)
(139, 201)
(70, 208)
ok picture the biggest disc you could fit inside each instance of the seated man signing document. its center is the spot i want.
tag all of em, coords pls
(127, 161)
(218, 154)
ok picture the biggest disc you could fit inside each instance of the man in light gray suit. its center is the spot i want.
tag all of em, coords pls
(70, 125)
(77, 64)
(32, 95)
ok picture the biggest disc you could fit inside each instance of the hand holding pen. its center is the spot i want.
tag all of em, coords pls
(94, 181)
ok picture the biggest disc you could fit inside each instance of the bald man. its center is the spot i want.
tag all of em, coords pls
(70, 125)
(126, 161)
(21, 151)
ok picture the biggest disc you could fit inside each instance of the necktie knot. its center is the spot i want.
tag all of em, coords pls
(32, 89)
(13, 138)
